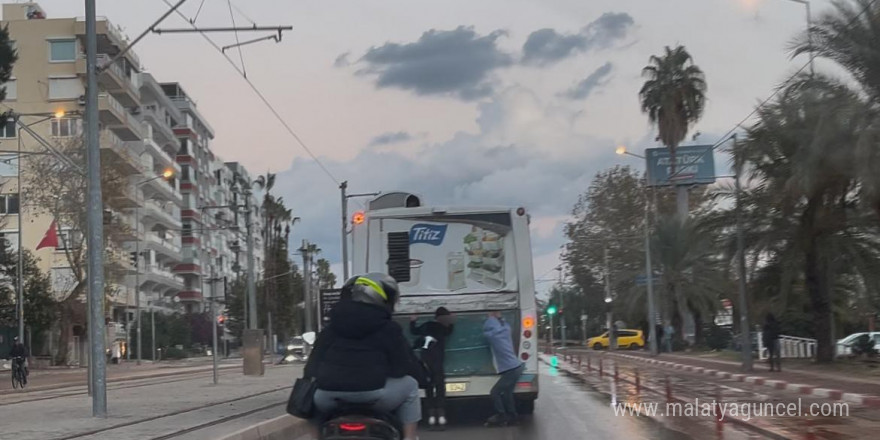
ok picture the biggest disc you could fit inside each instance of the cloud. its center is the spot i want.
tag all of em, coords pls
(523, 153)
(342, 60)
(454, 63)
(547, 46)
(583, 89)
(390, 138)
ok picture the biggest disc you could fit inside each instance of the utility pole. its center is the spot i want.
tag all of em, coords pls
(251, 275)
(561, 306)
(307, 285)
(94, 206)
(342, 188)
(612, 335)
(745, 331)
(649, 272)
(213, 325)
(152, 330)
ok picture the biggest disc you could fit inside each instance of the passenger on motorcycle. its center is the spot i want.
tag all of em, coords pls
(362, 356)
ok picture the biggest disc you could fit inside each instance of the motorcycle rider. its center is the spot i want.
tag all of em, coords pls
(362, 356)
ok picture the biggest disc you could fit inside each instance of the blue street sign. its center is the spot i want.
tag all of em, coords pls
(694, 164)
(641, 280)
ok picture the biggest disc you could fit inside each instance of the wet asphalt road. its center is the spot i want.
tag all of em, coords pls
(566, 409)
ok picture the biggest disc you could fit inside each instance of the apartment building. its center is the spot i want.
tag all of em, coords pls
(183, 228)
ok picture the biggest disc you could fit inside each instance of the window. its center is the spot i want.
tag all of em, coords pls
(61, 51)
(187, 230)
(65, 88)
(67, 239)
(11, 89)
(11, 238)
(184, 173)
(7, 130)
(184, 147)
(8, 165)
(9, 204)
(65, 127)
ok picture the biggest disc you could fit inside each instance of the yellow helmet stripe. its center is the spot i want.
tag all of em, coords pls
(370, 283)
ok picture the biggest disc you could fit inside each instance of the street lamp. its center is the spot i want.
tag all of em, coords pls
(343, 187)
(167, 174)
(806, 4)
(649, 272)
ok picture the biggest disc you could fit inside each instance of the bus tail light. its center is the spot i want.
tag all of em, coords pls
(528, 322)
(525, 356)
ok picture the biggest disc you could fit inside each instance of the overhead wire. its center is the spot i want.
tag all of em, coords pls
(237, 41)
(262, 97)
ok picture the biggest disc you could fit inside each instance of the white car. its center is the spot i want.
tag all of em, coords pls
(844, 346)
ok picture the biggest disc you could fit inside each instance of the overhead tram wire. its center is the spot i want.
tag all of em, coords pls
(237, 40)
(262, 98)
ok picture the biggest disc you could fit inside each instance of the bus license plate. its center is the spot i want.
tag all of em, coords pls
(458, 387)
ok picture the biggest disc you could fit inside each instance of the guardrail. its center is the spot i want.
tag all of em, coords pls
(789, 347)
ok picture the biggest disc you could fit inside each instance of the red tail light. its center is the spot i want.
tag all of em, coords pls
(525, 356)
(527, 334)
(352, 426)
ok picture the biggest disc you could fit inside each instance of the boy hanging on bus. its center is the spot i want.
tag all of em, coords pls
(434, 334)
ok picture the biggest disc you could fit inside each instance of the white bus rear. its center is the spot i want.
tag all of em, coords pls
(469, 260)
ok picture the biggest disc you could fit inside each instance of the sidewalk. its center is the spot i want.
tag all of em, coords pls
(152, 411)
(838, 386)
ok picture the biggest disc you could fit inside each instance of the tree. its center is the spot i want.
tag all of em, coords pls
(673, 97)
(59, 191)
(326, 277)
(8, 57)
(40, 310)
(805, 214)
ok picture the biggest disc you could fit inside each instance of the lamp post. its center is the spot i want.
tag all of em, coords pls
(166, 174)
(649, 272)
(343, 188)
(809, 32)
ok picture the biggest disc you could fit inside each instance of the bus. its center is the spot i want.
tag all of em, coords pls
(471, 260)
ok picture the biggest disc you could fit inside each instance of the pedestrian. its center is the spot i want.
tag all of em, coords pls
(770, 337)
(668, 333)
(509, 367)
(658, 334)
(434, 334)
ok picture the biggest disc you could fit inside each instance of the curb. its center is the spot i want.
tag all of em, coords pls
(805, 389)
(766, 432)
(280, 428)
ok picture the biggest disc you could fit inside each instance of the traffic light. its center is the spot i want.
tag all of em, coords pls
(551, 310)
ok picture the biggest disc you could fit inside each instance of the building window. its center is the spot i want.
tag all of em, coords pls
(61, 51)
(8, 165)
(65, 127)
(11, 238)
(184, 173)
(7, 130)
(67, 239)
(65, 88)
(11, 89)
(187, 230)
(9, 204)
(184, 147)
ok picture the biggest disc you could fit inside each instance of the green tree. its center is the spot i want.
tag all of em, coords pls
(8, 57)
(40, 309)
(805, 216)
(673, 97)
(326, 277)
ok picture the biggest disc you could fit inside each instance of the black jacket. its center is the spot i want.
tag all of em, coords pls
(17, 351)
(359, 349)
(435, 330)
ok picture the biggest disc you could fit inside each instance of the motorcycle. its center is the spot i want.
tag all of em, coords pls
(360, 422)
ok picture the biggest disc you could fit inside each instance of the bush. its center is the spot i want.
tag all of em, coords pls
(718, 338)
(173, 353)
(864, 344)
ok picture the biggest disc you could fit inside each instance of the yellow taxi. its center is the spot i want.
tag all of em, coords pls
(626, 338)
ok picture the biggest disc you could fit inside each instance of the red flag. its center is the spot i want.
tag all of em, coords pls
(51, 238)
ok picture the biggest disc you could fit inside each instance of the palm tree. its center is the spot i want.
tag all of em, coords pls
(673, 97)
(806, 216)
(850, 36)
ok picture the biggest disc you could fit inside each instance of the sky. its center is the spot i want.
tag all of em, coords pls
(508, 102)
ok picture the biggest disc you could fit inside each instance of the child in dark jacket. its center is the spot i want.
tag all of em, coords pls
(435, 333)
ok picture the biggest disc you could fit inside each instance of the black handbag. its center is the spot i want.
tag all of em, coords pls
(302, 398)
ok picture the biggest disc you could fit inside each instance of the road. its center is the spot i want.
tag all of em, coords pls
(568, 409)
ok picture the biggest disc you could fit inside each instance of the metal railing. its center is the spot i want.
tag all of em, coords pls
(169, 243)
(789, 347)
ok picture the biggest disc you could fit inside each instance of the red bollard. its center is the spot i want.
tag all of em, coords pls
(589, 363)
(616, 373)
(668, 390)
(719, 422)
(580, 361)
(638, 382)
(601, 370)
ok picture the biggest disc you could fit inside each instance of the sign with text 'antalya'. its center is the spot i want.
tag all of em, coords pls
(694, 164)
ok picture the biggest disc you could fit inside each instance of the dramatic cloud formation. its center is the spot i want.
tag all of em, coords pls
(390, 138)
(583, 89)
(448, 63)
(547, 46)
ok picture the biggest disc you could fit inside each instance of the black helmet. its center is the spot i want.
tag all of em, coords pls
(372, 288)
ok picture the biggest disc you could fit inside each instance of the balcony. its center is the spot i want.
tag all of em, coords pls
(124, 224)
(115, 117)
(156, 116)
(120, 153)
(168, 247)
(162, 189)
(113, 79)
(165, 216)
(110, 39)
(190, 295)
(156, 274)
(119, 260)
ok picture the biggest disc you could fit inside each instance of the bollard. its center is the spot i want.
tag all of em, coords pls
(719, 422)
(638, 382)
(580, 361)
(589, 363)
(616, 373)
(601, 370)
(668, 390)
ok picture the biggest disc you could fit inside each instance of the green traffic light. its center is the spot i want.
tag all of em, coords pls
(551, 310)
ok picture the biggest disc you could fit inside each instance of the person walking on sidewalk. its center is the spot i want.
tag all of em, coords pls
(498, 332)
(668, 333)
(433, 354)
(770, 338)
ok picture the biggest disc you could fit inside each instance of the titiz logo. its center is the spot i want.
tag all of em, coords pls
(428, 234)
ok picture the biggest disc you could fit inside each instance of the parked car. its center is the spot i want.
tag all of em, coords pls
(626, 338)
(845, 345)
(296, 345)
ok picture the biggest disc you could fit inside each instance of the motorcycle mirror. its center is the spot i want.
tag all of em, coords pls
(309, 337)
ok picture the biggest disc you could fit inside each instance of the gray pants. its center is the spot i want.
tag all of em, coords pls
(400, 397)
